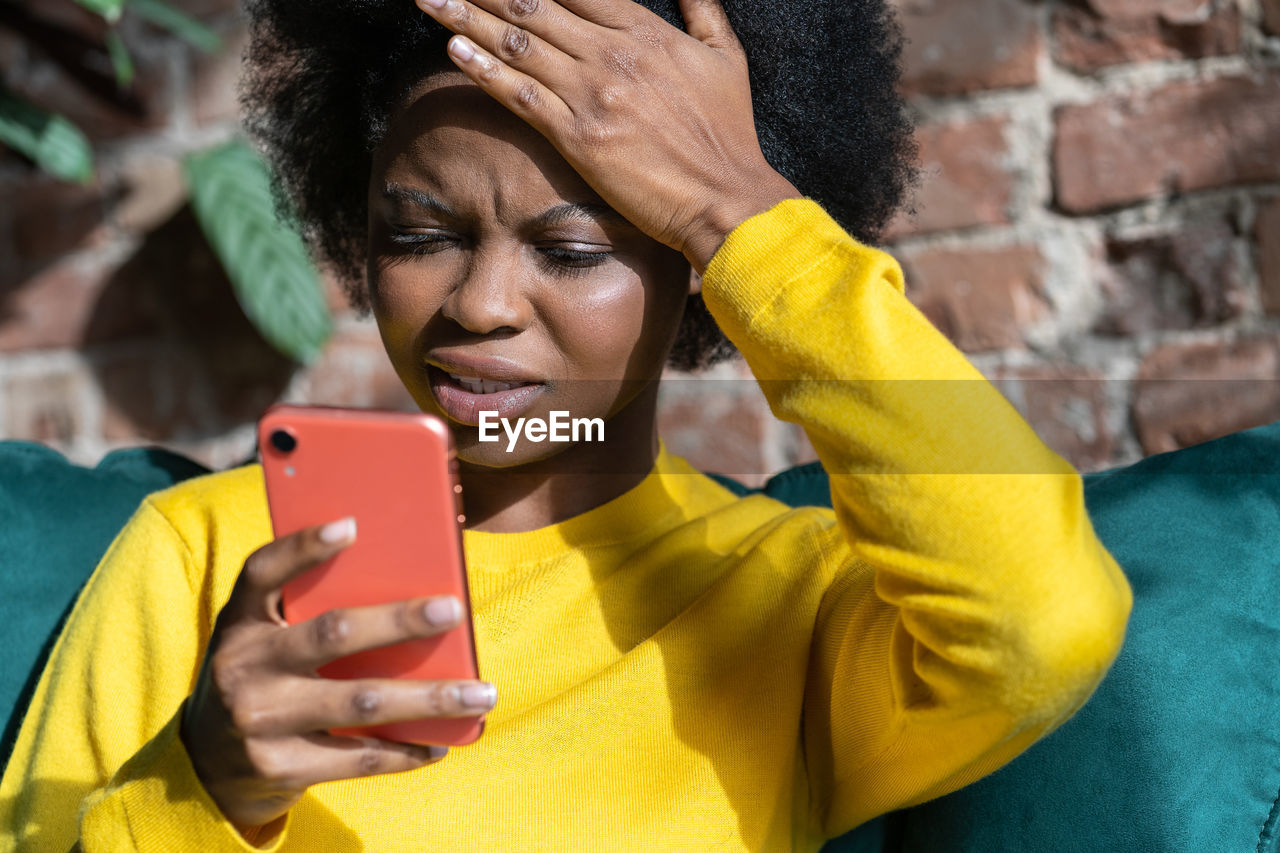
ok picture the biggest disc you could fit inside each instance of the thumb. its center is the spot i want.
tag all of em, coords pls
(706, 21)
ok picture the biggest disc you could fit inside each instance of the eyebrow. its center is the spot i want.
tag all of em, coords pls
(548, 218)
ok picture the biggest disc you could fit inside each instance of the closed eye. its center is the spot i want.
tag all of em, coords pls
(558, 259)
(572, 258)
(422, 243)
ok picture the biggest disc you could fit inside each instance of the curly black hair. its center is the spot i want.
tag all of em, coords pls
(323, 77)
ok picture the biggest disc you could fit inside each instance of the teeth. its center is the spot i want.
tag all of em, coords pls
(477, 385)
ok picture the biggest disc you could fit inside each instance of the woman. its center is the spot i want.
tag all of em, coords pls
(669, 667)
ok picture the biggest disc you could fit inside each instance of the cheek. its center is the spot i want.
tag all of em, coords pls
(402, 298)
(626, 324)
(605, 317)
(403, 304)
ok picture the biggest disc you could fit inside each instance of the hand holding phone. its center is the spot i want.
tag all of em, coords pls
(264, 722)
(396, 474)
(257, 724)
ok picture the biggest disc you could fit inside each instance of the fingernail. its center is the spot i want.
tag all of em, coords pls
(435, 4)
(437, 752)
(480, 696)
(443, 611)
(462, 48)
(337, 532)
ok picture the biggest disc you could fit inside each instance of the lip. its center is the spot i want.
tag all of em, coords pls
(464, 406)
(495, 369)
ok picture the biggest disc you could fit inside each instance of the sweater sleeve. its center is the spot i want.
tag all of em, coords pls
(111, 773)
(971, 608)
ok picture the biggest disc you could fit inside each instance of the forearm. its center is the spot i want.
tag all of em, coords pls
(987, 610)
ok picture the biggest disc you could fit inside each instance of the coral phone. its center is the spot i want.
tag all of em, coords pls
(396, 474)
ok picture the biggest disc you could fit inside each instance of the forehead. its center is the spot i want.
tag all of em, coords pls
(452, 136)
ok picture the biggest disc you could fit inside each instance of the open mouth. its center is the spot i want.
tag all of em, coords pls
(477, 385)
(463, 398)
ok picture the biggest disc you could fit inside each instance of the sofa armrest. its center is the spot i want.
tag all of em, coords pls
(59, 519)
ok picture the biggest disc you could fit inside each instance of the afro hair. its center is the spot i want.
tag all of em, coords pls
(322, 79)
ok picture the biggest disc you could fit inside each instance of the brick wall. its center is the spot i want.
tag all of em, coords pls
(1098, 226)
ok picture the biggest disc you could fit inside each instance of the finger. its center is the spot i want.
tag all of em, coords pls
(520, 93)
(294, 706)
(554, 19)
(257, 590)
(517, 38)
(337, 633)
(328, 758)
(294, 764)
(707, 21)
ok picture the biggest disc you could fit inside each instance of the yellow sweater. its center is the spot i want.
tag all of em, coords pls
(678, 669)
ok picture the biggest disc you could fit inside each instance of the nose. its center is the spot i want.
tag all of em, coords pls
(489, 296)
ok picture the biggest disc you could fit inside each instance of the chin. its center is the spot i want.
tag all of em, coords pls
(471, 451)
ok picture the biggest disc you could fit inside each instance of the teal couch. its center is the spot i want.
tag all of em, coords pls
(1179, 750)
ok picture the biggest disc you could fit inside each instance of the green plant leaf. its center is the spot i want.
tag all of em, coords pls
(274, 280)
(121, 61)
(109, 9)
(179, 23)
(49, 140)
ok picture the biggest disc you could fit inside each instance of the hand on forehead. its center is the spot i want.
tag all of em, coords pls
(656, 120)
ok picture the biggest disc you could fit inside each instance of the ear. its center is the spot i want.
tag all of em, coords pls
(695, 281)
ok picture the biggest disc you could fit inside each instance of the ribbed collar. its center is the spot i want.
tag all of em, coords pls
(651, 507)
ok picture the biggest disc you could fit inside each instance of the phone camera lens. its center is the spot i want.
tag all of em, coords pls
(283, 441)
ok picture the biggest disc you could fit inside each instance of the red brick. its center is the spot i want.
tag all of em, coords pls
(980, 299)
(354, 371)
(245, 376)
(1183, 137)
(151, 394)
(71, 18)
(1066, 405)
(51, 309)
(215, 78)
(179, 272)
(51, 218)
(12, 49)
(1271, 16)
(967, 177)
(45, 407)
(960, 46)
(1187, 393)
(1267, 232)
(717, 426)
(1086, 41)
(1188, 279)
(68, 72)
(176, 390)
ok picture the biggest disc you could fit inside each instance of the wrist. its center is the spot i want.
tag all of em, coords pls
(731, 210)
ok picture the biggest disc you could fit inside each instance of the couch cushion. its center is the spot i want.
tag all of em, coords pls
(1179, 749)
(56, 521)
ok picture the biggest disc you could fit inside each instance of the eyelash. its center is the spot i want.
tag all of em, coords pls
(564, 261)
